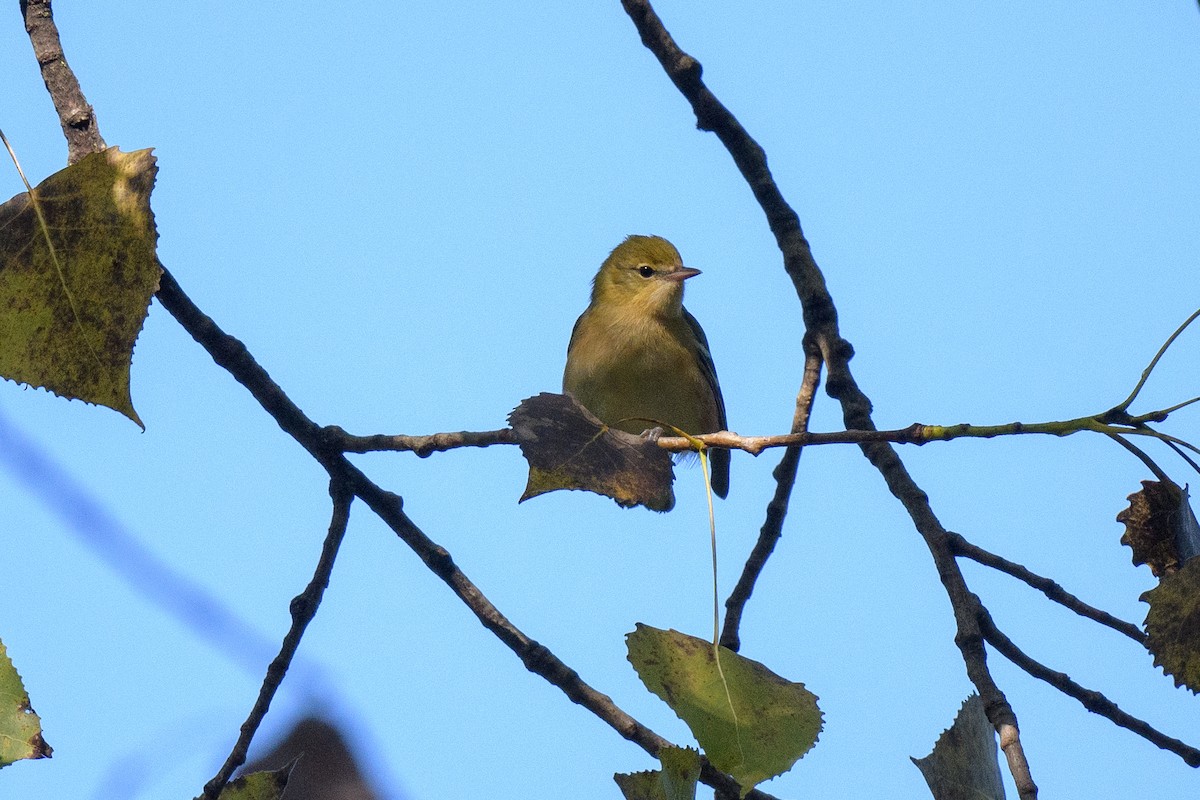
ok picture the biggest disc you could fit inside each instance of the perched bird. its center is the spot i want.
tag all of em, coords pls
(636, 354)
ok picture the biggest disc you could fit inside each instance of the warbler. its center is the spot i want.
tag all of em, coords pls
(636, 354)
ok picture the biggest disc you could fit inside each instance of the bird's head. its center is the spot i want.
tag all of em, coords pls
(643, 272)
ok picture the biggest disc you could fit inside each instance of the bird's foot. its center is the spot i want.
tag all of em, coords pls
(652, 435)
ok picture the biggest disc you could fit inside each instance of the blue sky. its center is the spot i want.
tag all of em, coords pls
(399, 210)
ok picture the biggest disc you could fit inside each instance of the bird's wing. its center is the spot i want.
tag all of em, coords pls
(720, 458)
(707, 368)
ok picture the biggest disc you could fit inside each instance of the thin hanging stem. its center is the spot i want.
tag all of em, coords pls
(712, 536)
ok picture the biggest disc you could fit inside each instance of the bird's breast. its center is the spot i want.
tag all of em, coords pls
(636, 373)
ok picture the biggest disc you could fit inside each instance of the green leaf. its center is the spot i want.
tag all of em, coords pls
(567, 447)
(680, 772)
(1173, 622)
(675, 781)
(646, 785)
(258, 785)
(751, 723)
(964, 763)
(20, 728)
(71, 312)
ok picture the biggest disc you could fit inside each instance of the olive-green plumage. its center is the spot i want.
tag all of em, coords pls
(636, 354)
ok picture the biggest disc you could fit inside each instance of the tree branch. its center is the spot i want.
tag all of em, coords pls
(77, 117)
(1051, 589)
(915, 434)
(304, 608)
(772, 527)
(1092, 700)
(423, 446)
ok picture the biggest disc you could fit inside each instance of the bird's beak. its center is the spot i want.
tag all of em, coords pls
(682, 274)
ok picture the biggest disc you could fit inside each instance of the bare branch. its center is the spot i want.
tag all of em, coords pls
(77, 117)
(1050, 588)
(916, 434)
(421, 445)
(304, 608)
(772, 528)
(1124, 405)
(1092, 700)
(1018, 766)
(1142, 456)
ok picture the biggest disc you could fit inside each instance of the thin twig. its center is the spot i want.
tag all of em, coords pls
(1179, 452)
(1046, 586)
(304, 608)
(1092, 700)
(1178, 406)
(1124, 406)
(1166, 438)
(772, 527)
(76, 116)
(914, 434)
(1142, 456)
(421, 445)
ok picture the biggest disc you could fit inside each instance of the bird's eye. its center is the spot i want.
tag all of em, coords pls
(645, 271)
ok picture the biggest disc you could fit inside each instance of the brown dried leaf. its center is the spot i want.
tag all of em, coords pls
(1153, 523)
(567, 447)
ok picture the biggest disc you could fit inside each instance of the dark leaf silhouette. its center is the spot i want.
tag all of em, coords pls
(568, 448)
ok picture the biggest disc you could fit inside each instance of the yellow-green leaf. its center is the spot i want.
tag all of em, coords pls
(675, 781)
(750, 722)
(963, 764)
(77, 272)
(20, 728)
(645, 785)
(568, 448)
(680, 772)
(258, 785)
(1173, 624)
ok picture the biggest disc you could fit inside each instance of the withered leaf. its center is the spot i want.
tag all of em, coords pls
(1159, 526)
(567, 447)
